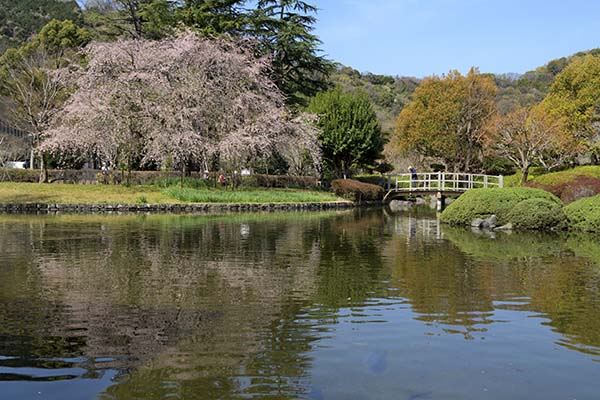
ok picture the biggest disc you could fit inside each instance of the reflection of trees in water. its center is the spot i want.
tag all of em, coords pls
(442, 285)
(538, 272)
(351, 263)
(457, 283)
(192, 300)
(229, 305)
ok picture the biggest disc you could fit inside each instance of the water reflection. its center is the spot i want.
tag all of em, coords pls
(320, 306)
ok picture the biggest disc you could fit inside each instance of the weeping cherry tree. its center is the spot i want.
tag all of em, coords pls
(178, 100)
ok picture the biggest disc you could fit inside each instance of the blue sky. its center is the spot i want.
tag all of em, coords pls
(424, 37)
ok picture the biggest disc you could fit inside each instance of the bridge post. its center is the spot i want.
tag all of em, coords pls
(441, 201)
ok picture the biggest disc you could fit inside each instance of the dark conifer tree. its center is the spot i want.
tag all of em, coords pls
(284, 28)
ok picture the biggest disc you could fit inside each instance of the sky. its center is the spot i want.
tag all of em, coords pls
(425, 37)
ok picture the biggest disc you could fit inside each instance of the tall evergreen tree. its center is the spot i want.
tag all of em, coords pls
(284, 28)
(214, 17)
(152, 19)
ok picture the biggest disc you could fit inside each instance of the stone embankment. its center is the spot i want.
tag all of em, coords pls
(196, 208)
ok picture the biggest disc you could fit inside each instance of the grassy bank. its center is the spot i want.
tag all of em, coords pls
(569, 185)
(537, 176)
(248, 196)
(525, 209)
(116, 194)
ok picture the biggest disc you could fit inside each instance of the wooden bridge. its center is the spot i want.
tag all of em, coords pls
(441, 184)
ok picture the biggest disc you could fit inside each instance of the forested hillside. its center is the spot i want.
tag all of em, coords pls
(20, 19)
(390, 94)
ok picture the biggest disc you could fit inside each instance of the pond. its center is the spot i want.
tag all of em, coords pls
(338, 305)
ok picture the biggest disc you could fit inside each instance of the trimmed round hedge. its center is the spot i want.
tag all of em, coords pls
(584, 214)
(482, 203)
(538, 214)
(357, 191)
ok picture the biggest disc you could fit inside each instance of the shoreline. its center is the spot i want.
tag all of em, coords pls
(175, 208)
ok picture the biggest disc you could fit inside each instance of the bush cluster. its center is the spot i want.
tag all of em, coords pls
(357, 191)
(482, 203)
(537, 214)
(526, 209)
(58, 176)
(584, 214)
(18, 175)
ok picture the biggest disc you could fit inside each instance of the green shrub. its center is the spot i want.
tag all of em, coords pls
(19, 175)
(584, 214)
(357, 191)
(537, 214)
(482, 203)
(513, 180)
(498, 166)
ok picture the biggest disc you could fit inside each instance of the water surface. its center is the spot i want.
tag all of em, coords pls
(336, 305)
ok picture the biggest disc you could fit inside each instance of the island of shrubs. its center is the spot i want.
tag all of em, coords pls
(523, 208)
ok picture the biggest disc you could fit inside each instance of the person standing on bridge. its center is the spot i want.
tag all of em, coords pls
(413, 176)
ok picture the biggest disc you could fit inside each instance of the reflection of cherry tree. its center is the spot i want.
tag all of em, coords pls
(178, 100)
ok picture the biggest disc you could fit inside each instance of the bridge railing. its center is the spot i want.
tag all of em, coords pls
(441, 181)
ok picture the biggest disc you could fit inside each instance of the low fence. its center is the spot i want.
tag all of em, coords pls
(14, 132)
(92, 176)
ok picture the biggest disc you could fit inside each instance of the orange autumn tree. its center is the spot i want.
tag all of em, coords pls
(530, 136)
(447, 119)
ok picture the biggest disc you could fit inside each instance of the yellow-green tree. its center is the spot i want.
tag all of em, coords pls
(574, 98)
(447, 118)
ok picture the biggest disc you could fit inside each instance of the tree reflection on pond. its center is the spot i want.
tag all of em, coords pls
(251, 304)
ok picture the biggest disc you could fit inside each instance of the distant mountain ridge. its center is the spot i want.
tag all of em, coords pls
(389, 94)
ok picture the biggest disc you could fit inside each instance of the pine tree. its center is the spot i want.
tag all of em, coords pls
(214, 17)
(284, 28)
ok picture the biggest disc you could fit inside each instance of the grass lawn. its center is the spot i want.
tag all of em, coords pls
(554, 178)
(190, 195)
(569, 175)
(116, 194)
